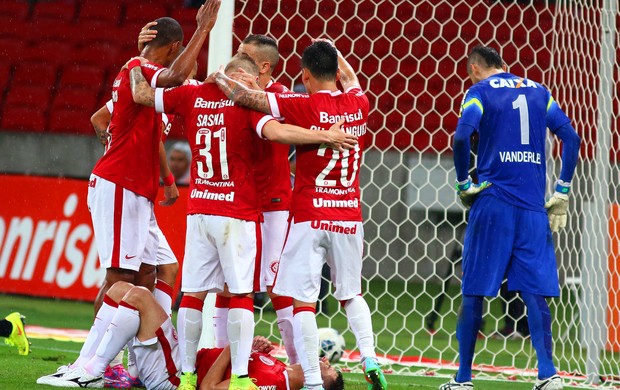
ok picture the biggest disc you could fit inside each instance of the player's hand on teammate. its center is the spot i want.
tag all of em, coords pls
(246, 79)
(145, 36)
(338, 139)
(207, 15)
(468, 191)
(557, 206)
(142, 61)
(262, 344)
(171, 194)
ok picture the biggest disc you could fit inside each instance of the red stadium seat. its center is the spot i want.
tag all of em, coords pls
(103, 11)
(86, 55)
(23, 118)
(5, 74)
(11, 28)
(50, 52)
(35, 96)
(76, 98)
(141, 12)
(11, 50)
(70, 121)
(185, 16)
(36, 74)
(55, 10)
(82, 76)
(14, 9)
(50, 30)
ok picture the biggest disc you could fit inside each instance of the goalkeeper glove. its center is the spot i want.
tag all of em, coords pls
(557, 206)
(468, 191)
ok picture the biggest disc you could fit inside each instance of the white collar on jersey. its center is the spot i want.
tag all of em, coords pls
(333, 93)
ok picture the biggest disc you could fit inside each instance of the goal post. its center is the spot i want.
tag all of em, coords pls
(410, 57)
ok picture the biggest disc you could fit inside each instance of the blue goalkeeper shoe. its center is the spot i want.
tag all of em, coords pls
(373, 374)
(18, 338)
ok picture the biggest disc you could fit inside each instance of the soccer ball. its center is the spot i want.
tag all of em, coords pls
(331, 344)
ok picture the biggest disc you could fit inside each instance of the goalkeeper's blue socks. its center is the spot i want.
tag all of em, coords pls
(467, 327)
(539, 320)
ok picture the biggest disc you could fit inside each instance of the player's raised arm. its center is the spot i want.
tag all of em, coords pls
(182, 66)
(240, 94)
(284, 133)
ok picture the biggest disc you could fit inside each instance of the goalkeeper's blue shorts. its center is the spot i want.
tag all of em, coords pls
(505, 241)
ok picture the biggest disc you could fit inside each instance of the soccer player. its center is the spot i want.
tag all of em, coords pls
(125, 180)
(325, 223)
(149, 328)
(509, 232)
(270, 373)
(12, 329)
(272, 176)
(167, 264)
(223, 212)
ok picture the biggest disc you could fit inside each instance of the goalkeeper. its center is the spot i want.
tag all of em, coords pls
(509, 229)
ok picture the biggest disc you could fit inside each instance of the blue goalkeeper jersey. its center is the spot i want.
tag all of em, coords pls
(511, 115)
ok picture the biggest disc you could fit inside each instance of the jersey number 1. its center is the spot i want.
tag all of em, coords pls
(524, 118)
(207, 135)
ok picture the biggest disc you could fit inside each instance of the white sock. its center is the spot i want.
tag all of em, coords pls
(132, 369)
(241, 333)
(118, 359)
(358, 314)
(124, 327)
(307, 345)
(189, 326)
(220, 324)
(163, 296)
(97, 331)
(285, 324)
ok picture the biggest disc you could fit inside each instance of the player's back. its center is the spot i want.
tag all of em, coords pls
(511, 148)
(272, 171)
(131, 158)
(222, 138)
(326, 181)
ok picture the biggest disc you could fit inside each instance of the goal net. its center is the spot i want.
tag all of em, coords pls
(410, 57)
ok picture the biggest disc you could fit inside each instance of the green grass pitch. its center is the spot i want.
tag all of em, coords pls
(19, 372)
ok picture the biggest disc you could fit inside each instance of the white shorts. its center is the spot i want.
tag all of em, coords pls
(124, 225)
(273, 231)
(157, 358)
(164, 252)
(221, 250)
(311, 244)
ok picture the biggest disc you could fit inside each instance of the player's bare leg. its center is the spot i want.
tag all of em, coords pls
(168, 273)
(284, 311)
(189, 326)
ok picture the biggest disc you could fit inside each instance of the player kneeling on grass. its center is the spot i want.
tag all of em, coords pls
(149, 329)
(509, 228)
(12, 327)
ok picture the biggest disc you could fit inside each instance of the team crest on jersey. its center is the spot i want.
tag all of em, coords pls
(274, 266)
(267, 362)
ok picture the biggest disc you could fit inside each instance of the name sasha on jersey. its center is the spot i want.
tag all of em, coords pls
(520, 156)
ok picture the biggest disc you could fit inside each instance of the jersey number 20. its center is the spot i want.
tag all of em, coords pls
(321, 179)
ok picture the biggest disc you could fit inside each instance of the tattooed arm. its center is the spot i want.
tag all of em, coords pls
(242, 95)
(140, 89)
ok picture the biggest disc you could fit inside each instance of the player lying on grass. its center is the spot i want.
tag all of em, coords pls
(12, 328)
(155, 345)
